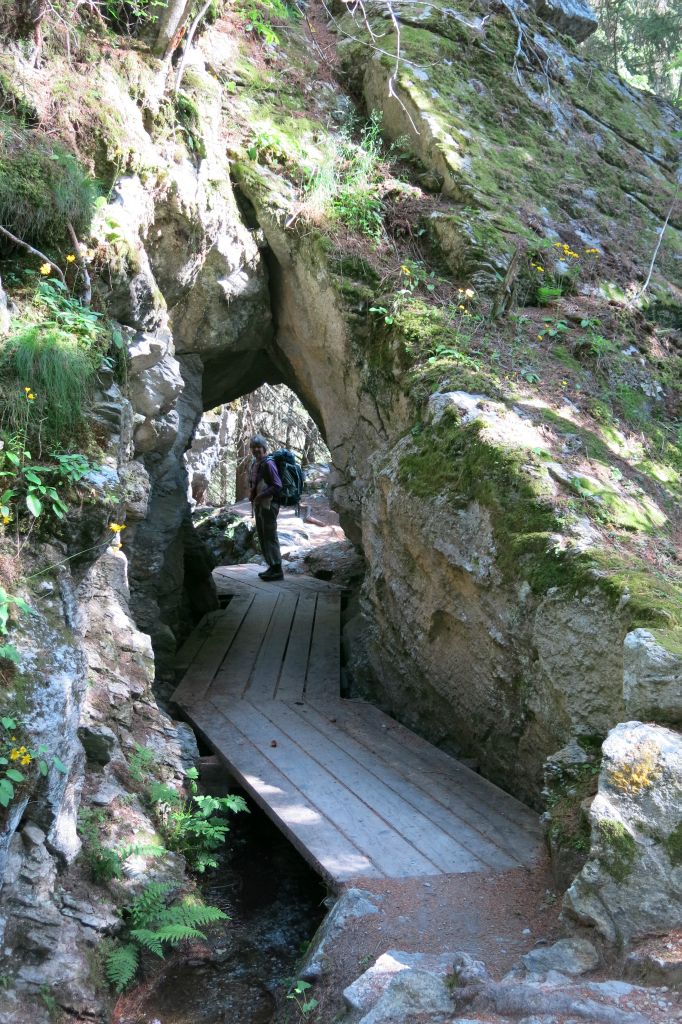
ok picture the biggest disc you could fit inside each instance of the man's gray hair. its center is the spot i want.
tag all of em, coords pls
(259, 440)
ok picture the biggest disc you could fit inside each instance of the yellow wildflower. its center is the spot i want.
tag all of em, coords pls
(15, 755)
(6, 520)
(116, 527)
(406, 270)
(26, 759)
(46, 269)
(462, 307)
(27, 390)
(31, 397)
(540, 270)
(71, 258)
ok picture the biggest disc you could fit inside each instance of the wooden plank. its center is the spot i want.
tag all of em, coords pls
(367, 829)
(199, 675)
(195, 641)
(323, 675)
(330, 852)
(486, 808)
(269, 661)
(233, 676)
(408, 820)
(477, 852)
(292, 676)
(238, 577)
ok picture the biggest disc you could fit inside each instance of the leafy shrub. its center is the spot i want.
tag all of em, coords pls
(155, 925)
(42, 187)
(194, 825)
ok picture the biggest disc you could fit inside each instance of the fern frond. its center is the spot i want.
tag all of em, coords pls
(161, 793)
(192, 913)
(151, 940)
(145, 908)
(121, 966)
(174, 933)
(141, 850)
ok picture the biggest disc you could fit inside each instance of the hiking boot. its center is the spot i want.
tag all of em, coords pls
(273, 573)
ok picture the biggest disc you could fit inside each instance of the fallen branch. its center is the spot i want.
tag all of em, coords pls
(188, 42)
(86, 297)
(34, 252)
(658, 244)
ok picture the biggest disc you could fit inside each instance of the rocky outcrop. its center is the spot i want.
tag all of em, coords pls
(631, 885)
(455, 987)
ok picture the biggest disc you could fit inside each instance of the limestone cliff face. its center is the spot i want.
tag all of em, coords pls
(508, 605)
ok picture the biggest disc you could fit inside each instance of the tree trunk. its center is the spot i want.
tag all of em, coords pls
(171, 27)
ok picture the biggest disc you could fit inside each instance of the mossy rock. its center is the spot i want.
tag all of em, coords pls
(42, 187)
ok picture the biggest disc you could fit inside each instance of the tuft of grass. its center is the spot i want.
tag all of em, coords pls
(61, 374)
(42, 187)
(55, 350)
(344, 187)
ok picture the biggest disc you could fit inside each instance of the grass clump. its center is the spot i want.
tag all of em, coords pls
(344, 186)
(42, 187)
(56, 350)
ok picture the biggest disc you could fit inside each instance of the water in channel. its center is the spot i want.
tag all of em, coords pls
(274, 900)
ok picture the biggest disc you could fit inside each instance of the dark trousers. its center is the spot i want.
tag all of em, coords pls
(266, 528)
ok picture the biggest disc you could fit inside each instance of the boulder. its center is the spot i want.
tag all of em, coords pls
(353, 903)
(570, 956)
(153, 391)
(631, 886)
(570, 17)
(652, 676)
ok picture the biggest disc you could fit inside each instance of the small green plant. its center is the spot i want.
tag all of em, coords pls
(553, 328)
(345, 186)
(298, 994)
(154, 924)
(193, 825)
(141, 763)
(547, 295)
(106, 862)
(18, 760)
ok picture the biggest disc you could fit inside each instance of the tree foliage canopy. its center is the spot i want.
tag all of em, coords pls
(641, 39)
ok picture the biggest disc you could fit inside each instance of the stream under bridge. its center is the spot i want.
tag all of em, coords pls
(358, 794)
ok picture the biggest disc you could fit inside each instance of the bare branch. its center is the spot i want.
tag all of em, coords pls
(658, 244)
(86, 297)
(34, 252)
(188, 42)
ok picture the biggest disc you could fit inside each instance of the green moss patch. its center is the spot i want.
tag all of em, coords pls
(42, 187)
(673, 845)
(617, 848)
(459, 462)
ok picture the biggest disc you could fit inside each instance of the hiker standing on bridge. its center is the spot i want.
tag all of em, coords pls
(266, 486)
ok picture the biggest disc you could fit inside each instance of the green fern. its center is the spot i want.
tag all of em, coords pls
(157, 926)
(170, 933)
(149, 905)
(194, 914)
(121, 966)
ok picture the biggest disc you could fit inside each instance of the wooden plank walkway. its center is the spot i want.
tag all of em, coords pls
(358, 794)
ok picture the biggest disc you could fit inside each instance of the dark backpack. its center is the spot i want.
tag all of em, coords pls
(291, 475)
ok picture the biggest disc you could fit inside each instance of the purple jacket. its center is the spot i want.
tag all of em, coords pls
(265, 470)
